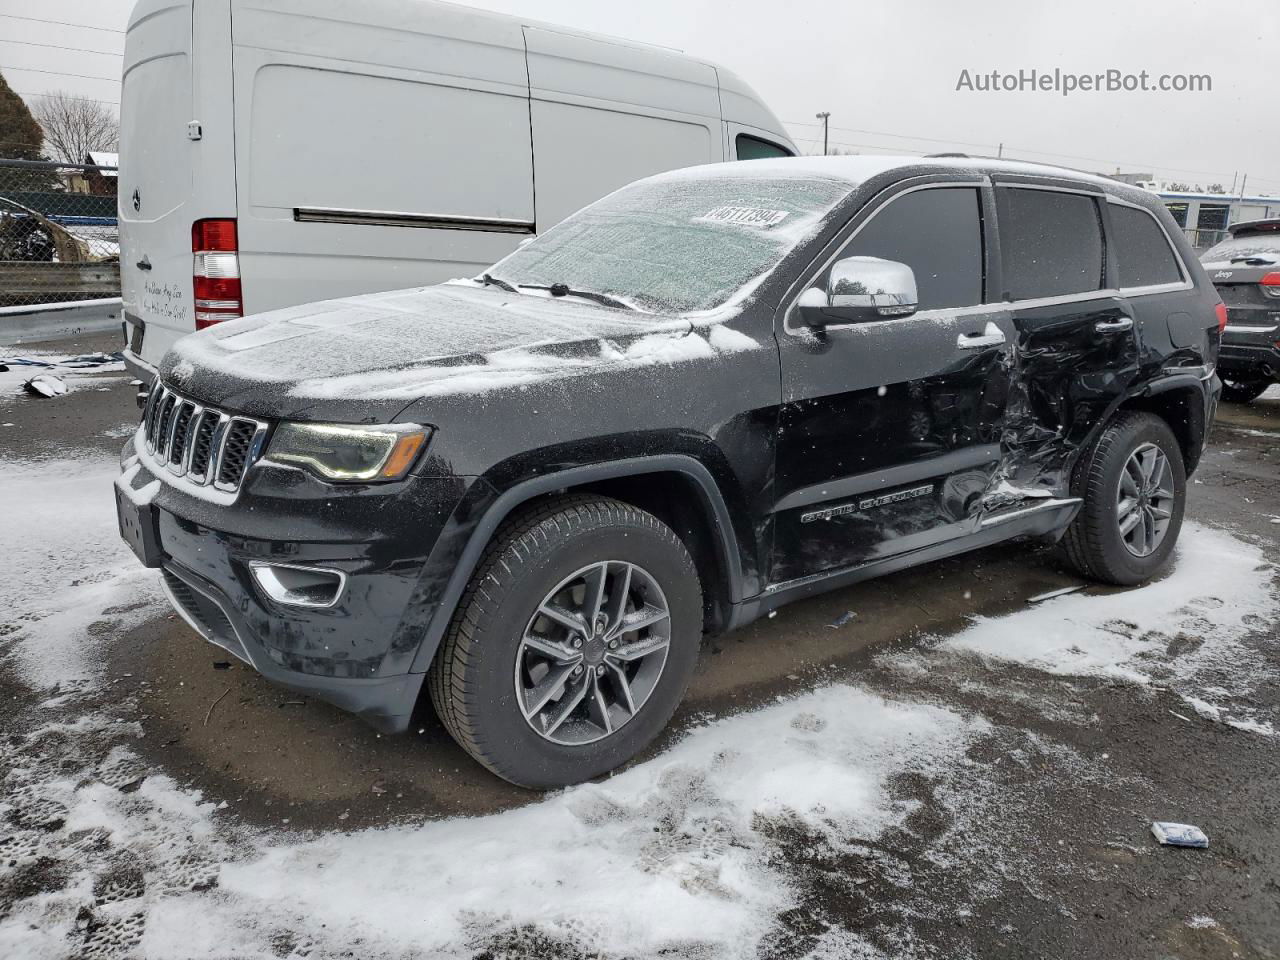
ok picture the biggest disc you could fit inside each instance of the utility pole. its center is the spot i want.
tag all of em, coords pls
(1243, 181)
(823, 116)
(1000, 152)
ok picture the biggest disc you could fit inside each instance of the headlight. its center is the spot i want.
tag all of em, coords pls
(349, 453)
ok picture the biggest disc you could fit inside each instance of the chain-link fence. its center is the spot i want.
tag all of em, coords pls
(1204, 239)
(59, 236)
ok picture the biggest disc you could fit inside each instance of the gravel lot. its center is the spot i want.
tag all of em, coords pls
(954, 772)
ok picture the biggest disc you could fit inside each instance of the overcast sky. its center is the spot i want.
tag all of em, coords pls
(887, 70)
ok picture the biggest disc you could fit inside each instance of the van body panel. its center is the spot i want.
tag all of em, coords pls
(155, 182)
(382, 145)
(740, 104)
(605, 114)
(386, 108)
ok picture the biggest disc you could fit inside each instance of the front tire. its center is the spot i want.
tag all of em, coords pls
(1134, 487)
(1243, 391)
(573, 643)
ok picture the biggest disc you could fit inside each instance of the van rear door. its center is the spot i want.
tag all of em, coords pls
(175, 160)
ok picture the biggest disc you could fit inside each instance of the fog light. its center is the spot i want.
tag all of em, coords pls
(299, 586)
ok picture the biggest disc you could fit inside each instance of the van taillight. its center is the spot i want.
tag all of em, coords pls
(1221, 310)
(215, 255)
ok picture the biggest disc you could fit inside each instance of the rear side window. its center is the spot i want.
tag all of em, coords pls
(753, 148)
(1142, 249)
(1051, 243)
(938, 234)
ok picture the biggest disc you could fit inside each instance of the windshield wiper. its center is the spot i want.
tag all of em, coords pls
(1253, 260)
(564, 290)
(488, 278)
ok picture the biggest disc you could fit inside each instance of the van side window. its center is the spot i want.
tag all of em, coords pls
(937, 232)
(1050, 243)
(1142, 249)
(753, 148)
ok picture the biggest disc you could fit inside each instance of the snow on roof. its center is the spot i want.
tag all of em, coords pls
(862, 167)
(99, 158)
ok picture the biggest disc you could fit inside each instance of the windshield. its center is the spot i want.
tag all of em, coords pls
(1266, 245)
(677, 243)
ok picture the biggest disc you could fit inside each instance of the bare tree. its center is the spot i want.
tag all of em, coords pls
(73, 126)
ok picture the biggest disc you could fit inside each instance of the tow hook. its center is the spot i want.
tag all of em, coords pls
(140, 393)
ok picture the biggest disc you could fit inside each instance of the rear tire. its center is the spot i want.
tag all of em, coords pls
(1127, 527)
(505, 677)
(1243, 391)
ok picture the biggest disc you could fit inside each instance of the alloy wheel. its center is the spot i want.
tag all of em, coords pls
(592, 653)
(1145, 500)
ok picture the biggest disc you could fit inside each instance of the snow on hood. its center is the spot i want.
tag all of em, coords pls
(449, 339)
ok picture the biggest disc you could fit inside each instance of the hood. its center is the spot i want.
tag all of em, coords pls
(366, 358)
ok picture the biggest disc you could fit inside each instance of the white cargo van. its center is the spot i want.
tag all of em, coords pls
(275, 152)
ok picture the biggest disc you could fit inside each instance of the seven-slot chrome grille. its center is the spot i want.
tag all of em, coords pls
(203, 445)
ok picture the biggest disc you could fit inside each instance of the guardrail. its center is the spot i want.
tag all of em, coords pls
(59, 233)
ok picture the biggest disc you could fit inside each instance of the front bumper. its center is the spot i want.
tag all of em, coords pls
(386, 703)
(359, 653)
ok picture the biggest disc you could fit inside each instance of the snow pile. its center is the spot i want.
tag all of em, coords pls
(669, 853)
(65, 568)
(1184, 631)
(672, 855)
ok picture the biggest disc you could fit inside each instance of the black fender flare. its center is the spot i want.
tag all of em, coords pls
(513, 497)
(1164, 383)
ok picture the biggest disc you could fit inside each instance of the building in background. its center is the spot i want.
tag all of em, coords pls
(1204, 215)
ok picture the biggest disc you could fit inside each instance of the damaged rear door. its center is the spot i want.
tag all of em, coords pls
(1077, 349)
(890, 430)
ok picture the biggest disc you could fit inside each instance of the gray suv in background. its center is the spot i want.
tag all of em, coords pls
(1245, 268)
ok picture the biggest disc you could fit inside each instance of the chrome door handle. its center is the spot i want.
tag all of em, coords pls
(1114, 326)
(992, 336)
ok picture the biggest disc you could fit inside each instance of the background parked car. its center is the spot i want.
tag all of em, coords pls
(1246, 270)
(308, 149)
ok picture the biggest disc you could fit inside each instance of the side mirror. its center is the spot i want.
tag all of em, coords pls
(861, 289)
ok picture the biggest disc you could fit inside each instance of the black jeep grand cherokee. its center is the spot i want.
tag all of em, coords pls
(709, 394)
(1245, 268)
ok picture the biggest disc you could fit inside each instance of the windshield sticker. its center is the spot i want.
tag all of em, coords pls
(745, 216)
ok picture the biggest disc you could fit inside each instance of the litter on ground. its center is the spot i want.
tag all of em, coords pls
(45, 385)
(1178, 834)
(1062, 592)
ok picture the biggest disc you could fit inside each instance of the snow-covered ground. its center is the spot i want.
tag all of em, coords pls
(690, 854)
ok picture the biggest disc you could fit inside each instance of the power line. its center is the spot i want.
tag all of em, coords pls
(62, 23)
(58, 46)
(895, 136)
(1027, 150)
(31, 93)
(60, 73)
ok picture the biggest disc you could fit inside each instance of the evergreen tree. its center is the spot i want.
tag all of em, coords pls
(21, 139)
